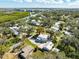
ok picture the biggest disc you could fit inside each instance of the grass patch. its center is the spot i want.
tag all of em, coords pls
(27, 42)
(6, 46)
(38, 54)
(13, 16)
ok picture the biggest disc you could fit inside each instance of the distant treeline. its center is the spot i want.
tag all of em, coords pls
(73, 13)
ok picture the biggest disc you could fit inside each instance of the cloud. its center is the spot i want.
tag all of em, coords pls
(50, 1)
(42, 1)
(67, 0)
(70, 2)
(58, 1)
(74, 2)
(18, 0)
(23, 0)
(28, 0)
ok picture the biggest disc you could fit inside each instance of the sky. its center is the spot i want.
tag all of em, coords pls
(39, 3)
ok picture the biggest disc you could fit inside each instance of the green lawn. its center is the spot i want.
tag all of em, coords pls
(13, 16)
(6, 46)
(27, 42)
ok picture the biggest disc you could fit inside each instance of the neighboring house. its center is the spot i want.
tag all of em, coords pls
(23, 35)
(55, 50)
(34, 22)
(15, 30)
(56, 26)
(42, 38)
(67, 33)
(33, 15)
(48, 46)
(40, 17)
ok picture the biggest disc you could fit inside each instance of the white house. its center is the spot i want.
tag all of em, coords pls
(40, 17)
(48, 46)
(67, 33)
(15, 30)
(55, 50)
(35, 22)
(42, 38)
(56, 26)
